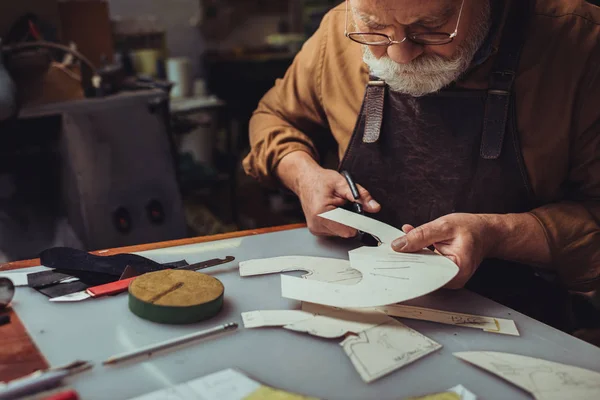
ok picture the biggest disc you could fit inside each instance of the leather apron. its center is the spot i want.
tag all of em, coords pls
(456, 151)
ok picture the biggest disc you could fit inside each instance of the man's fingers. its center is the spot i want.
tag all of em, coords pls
(338, 229)
(407, 228)
(422, 237)
(367, 201)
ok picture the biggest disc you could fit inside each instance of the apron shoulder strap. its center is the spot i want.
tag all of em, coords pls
(375, 98)
(502, 79)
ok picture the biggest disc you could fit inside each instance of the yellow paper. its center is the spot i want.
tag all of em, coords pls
(438, 396)
(268, 393)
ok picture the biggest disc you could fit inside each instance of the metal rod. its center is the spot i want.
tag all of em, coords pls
(170, 343)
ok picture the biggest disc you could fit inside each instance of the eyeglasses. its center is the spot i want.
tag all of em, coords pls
(423, 38)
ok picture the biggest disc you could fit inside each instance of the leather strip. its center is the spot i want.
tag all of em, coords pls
(374, 111)
(502, 80)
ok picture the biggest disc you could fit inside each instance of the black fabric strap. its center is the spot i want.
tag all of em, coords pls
(503, 78)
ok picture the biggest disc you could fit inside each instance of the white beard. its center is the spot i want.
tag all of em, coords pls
(430, 72)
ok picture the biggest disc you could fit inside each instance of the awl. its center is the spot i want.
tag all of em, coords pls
(123, 284)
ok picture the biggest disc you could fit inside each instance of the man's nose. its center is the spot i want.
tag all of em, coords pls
(405, 52)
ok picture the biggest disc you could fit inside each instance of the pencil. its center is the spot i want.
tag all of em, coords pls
(147, 351)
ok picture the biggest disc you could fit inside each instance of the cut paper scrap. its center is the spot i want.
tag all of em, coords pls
(545, 380)
(327, 322)
(383, 344)
(334, 323)
(487, 324)
(384, 232)
(317, 268)
(384, 348)
(388, 277)
(259, 319)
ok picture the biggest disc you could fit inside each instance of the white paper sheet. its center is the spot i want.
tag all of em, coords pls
(223, 385)
(317, 268)
(386, 279)
(385, 348)
(545, 380)
(384, 232)
(487, 324)
(264, 318)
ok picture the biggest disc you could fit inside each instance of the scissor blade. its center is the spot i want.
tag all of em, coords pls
(79, 296)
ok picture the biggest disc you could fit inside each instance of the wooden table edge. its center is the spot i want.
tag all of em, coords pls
(19, 355)
(161, 245)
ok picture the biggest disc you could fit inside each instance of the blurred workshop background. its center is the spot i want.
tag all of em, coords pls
(125, 121)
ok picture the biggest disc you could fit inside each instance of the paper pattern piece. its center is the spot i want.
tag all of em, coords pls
(316, 320)
(487, 324)
(388, 277)
(545, 380)
(383, 344)
(318, 268)
(227, 384)
(378, 351)
(333, 323)
(259, 319)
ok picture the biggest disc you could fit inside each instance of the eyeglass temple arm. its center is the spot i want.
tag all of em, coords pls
(458, 21)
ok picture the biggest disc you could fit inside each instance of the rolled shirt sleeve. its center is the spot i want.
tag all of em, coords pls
(572, 225)
(290, 116)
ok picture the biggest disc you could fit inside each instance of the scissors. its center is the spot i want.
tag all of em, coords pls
(366, 238)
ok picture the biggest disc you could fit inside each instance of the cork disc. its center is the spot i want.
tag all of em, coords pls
(175, 296)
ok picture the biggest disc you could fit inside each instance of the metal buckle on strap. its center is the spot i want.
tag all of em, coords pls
(500, 80)
(376, 83)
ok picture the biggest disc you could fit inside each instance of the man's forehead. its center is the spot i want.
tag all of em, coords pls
(405, 9)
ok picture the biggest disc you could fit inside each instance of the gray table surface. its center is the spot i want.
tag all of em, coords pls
(96, 329)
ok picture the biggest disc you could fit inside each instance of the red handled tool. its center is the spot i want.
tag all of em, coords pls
(123, 284)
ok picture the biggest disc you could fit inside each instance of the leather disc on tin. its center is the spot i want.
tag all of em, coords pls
(175, 296)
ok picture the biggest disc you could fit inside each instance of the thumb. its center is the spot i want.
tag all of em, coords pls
(417, 239)
(364, 197)
(368, 202)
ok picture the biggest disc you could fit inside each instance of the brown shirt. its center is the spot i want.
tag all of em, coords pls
(558, 109)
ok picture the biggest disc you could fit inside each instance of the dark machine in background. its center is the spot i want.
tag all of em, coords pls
(90, 167)
(104, 167)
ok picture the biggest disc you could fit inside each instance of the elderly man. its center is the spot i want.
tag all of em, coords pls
(478, 134)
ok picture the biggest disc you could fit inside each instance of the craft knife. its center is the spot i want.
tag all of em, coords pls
(123, 284)
(42, 380)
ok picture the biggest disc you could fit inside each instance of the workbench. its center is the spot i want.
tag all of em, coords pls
(44, 333)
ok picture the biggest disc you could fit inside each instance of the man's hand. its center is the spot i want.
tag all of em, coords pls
(321, 190)
(467, 239)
